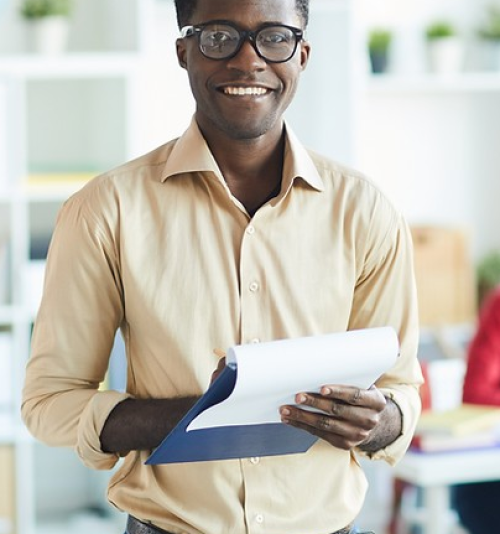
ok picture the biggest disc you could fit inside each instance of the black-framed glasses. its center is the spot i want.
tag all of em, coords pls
(220, 39)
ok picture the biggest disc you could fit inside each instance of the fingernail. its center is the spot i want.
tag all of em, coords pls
(301, 398)
(326, 391)
(285, 411)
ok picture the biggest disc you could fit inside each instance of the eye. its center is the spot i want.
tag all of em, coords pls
(275, 36)
(218, 37)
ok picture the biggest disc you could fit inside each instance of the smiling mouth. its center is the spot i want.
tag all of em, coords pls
(245, 91)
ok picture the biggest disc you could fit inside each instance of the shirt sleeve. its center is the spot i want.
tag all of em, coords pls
(386, 295)
(74, 331)
(482, 377)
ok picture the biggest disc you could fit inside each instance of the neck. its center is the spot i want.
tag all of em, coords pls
(252, 168)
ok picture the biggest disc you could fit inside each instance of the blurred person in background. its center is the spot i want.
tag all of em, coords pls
(478, 504)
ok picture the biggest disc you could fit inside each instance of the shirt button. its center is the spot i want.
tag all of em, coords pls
(251, 230)
(259, 518)
(254, 286)
(255, 460)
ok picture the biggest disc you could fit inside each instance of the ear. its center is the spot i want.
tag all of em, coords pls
(305, 52)
(180, 45)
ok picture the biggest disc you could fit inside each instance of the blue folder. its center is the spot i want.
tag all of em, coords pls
(228, 442)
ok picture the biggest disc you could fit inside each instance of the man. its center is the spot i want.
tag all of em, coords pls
(233, 233)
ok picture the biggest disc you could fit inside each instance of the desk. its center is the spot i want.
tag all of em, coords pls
(435, 472)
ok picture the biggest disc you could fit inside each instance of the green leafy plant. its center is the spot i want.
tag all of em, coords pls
(440, 30)
(491, 28)
(35, 9)
(379, 40)
(488, 273)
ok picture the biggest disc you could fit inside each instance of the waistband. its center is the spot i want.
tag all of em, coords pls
(134, 526)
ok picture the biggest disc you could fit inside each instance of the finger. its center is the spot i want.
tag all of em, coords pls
(361, 417)
(319, 422)
(339, 433)
(355, 396)
(220, 367)
(324, 404)
(219, 352)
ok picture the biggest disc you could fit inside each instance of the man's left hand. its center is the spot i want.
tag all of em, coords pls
(348, 416)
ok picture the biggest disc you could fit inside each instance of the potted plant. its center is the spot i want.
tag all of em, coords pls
(487, 274)
(48, 23)
(489, 35)
(379, 42)
(444, 46)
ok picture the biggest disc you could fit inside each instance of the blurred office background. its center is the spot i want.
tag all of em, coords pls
(103, 86)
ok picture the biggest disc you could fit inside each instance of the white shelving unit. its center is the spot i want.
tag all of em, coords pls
(30, 211)
(63, 119)
(430, 141)
(467, 82)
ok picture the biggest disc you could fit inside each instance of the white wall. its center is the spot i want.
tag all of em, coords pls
(433, 149)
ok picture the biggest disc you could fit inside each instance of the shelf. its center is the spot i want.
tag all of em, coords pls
(472, 82)
(55, 187)
(70, 65)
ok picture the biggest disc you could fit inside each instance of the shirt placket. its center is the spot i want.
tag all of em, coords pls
(252, 288)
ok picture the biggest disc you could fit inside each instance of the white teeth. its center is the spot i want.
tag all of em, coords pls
(244, 91)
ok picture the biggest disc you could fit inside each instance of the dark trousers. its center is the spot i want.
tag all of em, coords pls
(134, 526)
(478, 506)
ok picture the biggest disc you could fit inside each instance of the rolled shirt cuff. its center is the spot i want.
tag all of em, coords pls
(91, 423)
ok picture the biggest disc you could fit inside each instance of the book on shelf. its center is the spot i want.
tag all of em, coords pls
(463, 420)
(467, 426)
(443, 443)
(238, 416)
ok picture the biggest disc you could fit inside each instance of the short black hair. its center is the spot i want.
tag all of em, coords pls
(186, 8)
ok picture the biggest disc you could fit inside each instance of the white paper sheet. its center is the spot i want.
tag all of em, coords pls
(270, 374)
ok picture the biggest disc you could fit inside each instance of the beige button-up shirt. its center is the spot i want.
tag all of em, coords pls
(161, 249)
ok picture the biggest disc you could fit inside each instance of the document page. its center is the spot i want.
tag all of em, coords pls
(270, 374)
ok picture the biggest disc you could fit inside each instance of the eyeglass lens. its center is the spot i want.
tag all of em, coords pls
(274, 43)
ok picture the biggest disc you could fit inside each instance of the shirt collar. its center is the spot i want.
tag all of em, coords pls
(191, 154)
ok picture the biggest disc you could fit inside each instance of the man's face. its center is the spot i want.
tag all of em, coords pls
(216, 84)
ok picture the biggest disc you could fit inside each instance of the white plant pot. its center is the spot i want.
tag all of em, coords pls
(49, 35)
(446, 55)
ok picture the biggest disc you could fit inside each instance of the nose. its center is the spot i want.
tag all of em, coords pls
(247, 58)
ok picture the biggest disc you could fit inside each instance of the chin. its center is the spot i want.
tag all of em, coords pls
(249, 131)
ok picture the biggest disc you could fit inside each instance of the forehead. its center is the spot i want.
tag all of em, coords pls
(247, 13)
